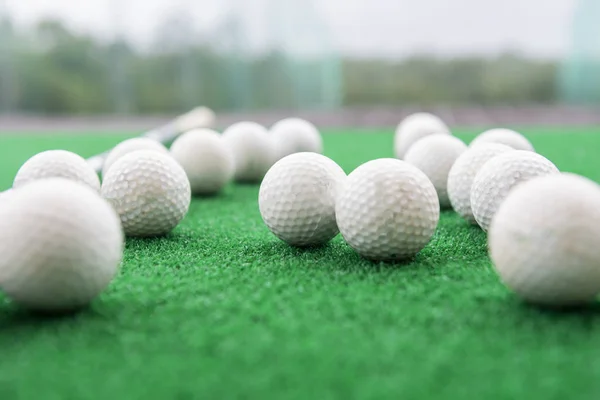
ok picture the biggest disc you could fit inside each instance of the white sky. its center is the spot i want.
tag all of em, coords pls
(393, 28)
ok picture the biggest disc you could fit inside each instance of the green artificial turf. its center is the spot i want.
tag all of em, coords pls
(222, 309)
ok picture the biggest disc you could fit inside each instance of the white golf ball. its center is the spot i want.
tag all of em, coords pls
(504, 136)
(297, 198)
(253, 151)
(6, 194)
(544, 240)
(388, 210)
(61, 245)
(129, 146)
(57, 164)
(415, 127)
(434, 155)
(149, 190)
(499, 176)
(295, 135)
(205, 158)
(463, 172)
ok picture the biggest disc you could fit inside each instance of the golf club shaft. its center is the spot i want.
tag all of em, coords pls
(200, 117)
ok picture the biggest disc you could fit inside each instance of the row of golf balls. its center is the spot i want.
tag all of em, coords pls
(542, 224)
(62, 230)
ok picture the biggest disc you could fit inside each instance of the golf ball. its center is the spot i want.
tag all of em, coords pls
(129, 146)
(415, 127)
(463, 172)
(149, 190)
(297, 198)
(498, 176)
(61, 245)
(57, 164)
(434, 155)
(504, 136)
(295, 135)
(388, 210)
(252, 149)
(206, 160)
(6, 194)
(544, 240)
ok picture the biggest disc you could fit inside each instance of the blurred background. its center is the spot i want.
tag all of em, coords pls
(338, 62)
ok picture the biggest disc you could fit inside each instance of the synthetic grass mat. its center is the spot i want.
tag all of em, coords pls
(222, 309)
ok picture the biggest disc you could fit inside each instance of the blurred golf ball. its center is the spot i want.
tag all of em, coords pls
(205, 158)
(252, 149)
(414, 128)
(388, 210)
(543, 240)
(295, 135)
(434, 155)
(149, 190)
(57, 164)
(463, 172)
(61, 245)
(6, 194)
(129, 146)
(504, 136)
(498, 176)
(297, 198)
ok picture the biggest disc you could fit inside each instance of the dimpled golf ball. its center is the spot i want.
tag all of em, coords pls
(253, 151)
(463, 172)
(388, 210)
(434, 155)
(57, 164)
(61, 245)
(297, 198)
(543, 240)
(149, 190)
(499, 176)
(504, 136)
(129, 146)
(295, 135)
(415, 127)
(206, 159)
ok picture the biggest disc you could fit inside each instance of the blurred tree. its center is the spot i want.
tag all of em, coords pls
(65, 73)
(8, 73)
(423, 80)
(60, 71)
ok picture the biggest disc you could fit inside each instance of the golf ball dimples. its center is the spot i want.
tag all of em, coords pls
(544, 240)
(501, 174)
(297, 198)
(205, 158)
(415, 127)
(463, 172)
(252, 149)
(504, 136)
(150, 192)
(57, 164)
(434, 156)
(61, 245)
(295, 135)
(128, 146)
(388, 210)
